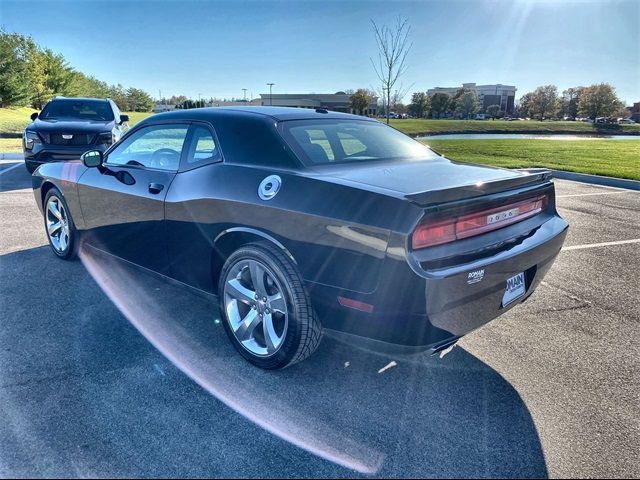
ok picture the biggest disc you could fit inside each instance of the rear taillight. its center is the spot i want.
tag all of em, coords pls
(456, 228)
(428, 234)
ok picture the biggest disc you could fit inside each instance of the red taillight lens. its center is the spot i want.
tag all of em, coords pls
(444, 231)
(434, 234)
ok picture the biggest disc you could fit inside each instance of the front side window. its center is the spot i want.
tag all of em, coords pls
(158, 147)
(319, 142)
(93, 110)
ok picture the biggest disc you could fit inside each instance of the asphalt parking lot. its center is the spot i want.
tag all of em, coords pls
(106, 371)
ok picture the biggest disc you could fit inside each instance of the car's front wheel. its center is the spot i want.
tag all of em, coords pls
(265, 309)
(59, 225)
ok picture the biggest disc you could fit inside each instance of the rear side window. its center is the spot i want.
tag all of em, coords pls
(254, 141)
(202, 148)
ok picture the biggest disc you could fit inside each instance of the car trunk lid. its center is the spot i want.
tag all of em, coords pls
(431, 182)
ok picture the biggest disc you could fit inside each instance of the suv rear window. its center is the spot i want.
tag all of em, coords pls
(97, 110)
(318, 142)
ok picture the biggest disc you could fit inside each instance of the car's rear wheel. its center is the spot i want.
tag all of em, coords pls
(59, 225)
(265, 309)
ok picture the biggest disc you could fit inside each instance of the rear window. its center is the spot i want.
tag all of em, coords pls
(318, 142)
(97, 110)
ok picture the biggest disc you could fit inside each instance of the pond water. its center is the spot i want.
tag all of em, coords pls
(524, 136)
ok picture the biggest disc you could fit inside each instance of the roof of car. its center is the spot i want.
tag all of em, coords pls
(81, 99)
(276, 113)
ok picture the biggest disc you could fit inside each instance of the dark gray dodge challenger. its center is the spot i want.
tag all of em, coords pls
(300, 220)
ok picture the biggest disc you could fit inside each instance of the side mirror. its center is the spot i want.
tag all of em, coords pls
(124, 118)
(34, 115)
(92, 158)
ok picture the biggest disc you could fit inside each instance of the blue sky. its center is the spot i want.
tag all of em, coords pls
(217, 48)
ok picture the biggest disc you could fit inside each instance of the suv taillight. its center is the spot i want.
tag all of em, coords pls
(447, 230)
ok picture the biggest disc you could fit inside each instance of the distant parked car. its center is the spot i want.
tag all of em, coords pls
(481, 116)
(68, 127)
(301, 219)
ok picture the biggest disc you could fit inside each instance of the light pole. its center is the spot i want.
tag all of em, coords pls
(245, 94)
(270, 87)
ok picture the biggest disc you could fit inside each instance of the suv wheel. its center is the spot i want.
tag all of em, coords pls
(265, 309)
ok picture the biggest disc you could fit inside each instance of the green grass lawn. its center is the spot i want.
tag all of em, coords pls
(10, 145)
(431, 127)
(13, 120)
(613, 158)
(616, 158)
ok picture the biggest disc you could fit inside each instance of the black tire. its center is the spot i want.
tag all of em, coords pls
(303, 331)
(69, 252)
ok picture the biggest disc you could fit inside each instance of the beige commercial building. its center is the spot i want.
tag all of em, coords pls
(337, 102)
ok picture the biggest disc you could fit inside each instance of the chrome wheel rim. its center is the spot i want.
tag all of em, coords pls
(57, 224)
(256, 307)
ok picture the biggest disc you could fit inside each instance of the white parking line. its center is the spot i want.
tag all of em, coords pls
(19, 164)
(604, 244)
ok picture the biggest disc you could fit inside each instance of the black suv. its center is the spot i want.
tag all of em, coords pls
(68, 127)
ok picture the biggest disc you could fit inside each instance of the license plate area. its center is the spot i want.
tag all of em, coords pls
(516, 288)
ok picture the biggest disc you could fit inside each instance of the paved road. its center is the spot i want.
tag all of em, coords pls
(550, 389)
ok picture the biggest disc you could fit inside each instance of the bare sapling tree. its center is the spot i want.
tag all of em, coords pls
(393, 48)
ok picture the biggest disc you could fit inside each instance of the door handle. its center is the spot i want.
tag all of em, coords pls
(155, 188)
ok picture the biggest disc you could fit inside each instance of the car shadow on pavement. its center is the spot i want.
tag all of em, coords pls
(82, 393)
(14, 176)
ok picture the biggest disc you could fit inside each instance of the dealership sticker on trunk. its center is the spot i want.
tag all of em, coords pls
(515, 289)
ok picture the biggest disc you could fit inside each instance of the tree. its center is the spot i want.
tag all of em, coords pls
(393, 48)
(467, 104)
(179, 100)
(139, 100)
(599, 101)
(15, 81)
(569, 102)
(360, 100)
(118, 94)
(88, 86)
(439, 104)
(544, 101)
(59, 75)
(419, 105)
(493, 111)
(523, 108)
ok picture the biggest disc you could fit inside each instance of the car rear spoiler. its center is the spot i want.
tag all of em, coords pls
(432, 197)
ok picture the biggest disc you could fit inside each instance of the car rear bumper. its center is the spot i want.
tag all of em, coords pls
(430, 307)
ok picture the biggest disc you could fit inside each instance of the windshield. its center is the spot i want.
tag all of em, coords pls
(98, 110)
(318, 142)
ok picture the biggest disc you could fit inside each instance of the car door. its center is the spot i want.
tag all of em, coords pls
(123, 201)
(192, 208)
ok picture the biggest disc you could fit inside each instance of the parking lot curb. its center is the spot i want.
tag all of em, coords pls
(593, 179)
